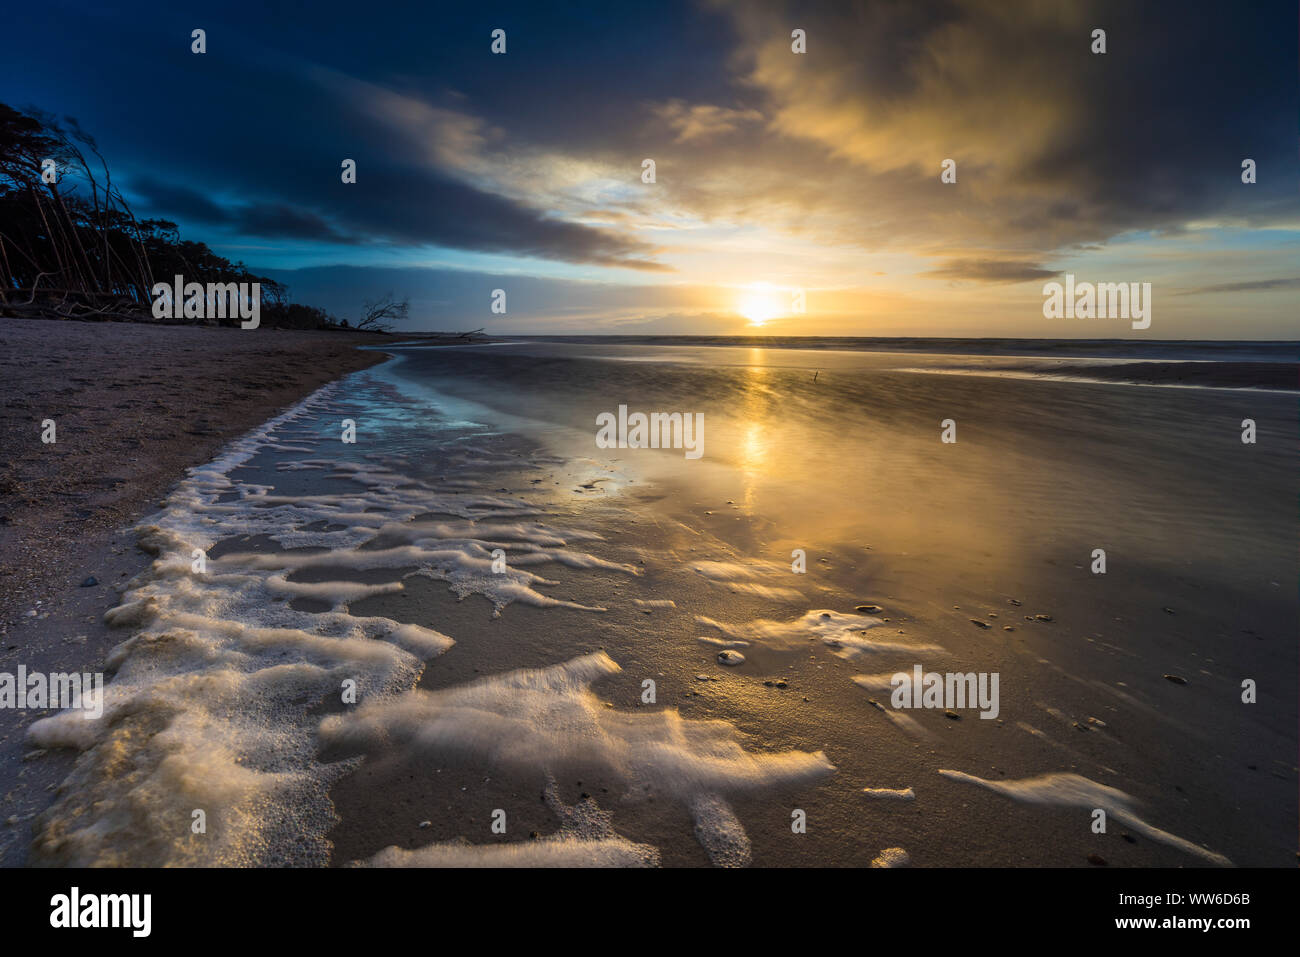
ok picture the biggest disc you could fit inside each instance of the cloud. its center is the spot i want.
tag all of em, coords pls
(270, 220)
(437, 183)
(1253, 285)
(1055, 146)
(699, 121)
(990, 270)
(166, 198)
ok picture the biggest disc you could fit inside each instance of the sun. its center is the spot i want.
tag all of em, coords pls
(760, 302)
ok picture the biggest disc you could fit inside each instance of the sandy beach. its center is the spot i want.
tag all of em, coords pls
(498, 590)
(134, 405)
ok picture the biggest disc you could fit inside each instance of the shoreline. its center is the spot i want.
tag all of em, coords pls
(68, 520)
(429, 804)
(134, 406)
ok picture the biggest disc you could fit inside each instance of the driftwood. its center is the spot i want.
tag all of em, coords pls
(116, 312)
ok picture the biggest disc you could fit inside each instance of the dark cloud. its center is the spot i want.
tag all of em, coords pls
(990, 270)
(167, 200)
(403, 206)
(270, 220)
(250, 119)
(1055, 146)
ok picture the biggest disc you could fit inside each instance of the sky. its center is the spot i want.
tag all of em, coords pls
(779, 175)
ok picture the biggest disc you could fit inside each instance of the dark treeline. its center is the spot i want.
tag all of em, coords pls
(71, 247)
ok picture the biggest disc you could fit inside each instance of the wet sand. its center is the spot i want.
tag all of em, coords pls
(961, 547)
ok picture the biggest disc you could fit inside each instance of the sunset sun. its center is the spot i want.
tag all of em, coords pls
(760, 302)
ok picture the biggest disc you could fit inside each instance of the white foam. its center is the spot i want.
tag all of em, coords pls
(837, 630)
(216, 699)
(722, 642)
(1074, 790)
(586, 839)
(893, 794)
(549, 719)
(753, 579)
(548, 852)
(892, 857)
(210, 707)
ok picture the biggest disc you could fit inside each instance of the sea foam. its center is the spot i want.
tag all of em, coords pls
(207, 752)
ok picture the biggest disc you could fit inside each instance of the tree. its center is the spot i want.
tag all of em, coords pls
(378, 315)
(71, 247)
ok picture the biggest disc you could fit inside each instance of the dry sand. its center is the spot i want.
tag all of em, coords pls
(134, 406)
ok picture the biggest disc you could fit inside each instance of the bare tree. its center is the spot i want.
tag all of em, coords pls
(378, 315)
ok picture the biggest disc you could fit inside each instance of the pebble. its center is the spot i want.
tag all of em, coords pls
(1176, 679)
(952, 715)
(870, 609)
(90, 582)
(1097, 859)
(1042, 618)
(1012, 601)
(978, 623)
(424, 824)
(730, 657)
